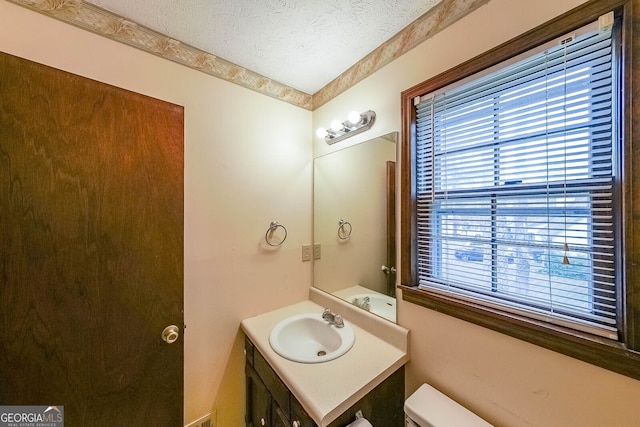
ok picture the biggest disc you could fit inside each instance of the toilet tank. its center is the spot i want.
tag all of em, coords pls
(427, 407)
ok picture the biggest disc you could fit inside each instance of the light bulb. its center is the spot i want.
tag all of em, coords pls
(355, 117)
(337, 125)
(322, 132)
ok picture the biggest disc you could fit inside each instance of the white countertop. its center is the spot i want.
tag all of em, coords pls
(325, 390)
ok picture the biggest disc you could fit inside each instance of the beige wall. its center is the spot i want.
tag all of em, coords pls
(247, 162)
(507, 381)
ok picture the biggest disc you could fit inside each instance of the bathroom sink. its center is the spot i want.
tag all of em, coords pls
(308, 338)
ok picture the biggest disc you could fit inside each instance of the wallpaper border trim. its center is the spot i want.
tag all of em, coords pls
(102, 22)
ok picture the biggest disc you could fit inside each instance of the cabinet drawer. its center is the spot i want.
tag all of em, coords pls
(279, 392)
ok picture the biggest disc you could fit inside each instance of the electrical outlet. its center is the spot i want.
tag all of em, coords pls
(317, 251)
(306, 252)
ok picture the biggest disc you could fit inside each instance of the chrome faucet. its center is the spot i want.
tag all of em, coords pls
(334, 319)
(364, 303)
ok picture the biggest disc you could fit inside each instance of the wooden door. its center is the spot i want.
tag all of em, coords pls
(91, 248)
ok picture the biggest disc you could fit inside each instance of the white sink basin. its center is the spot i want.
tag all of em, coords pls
(308, 338)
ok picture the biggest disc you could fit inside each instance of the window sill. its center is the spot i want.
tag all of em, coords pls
(607, 354)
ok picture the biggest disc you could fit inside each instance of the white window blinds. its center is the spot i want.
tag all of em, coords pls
(515, 175)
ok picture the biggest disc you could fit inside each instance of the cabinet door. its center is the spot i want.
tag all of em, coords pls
(277, 389)
(279, 418)
(258, 400)
(299, 415)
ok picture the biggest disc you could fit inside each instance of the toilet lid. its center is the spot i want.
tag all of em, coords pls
(430, 408)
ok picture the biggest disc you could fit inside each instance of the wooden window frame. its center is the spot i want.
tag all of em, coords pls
(622, 356)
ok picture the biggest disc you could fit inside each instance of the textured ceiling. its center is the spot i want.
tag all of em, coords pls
(304, 44)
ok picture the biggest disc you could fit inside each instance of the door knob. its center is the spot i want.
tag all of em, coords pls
(170, 334)
(388, 270)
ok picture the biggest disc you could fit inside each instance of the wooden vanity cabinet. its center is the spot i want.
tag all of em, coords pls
(258, 400)
(270, 403)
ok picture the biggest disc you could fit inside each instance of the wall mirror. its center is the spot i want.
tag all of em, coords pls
(354, 224)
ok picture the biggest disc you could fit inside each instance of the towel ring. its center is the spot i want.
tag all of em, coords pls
(272, 228)
(343, 232)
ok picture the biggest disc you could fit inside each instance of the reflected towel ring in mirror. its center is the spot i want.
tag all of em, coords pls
(272, 229)
(344, 229)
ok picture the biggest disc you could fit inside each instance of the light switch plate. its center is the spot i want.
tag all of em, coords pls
(306, 252)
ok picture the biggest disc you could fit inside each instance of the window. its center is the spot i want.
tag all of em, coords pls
(513, 201)
(514, 167)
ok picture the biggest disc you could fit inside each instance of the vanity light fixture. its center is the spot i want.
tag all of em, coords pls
(356, 123)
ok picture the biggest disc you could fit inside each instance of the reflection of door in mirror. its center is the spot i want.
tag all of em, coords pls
(390, 267)
(356, 185)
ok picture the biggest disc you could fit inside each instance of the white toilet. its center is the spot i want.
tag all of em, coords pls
(427, 407)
